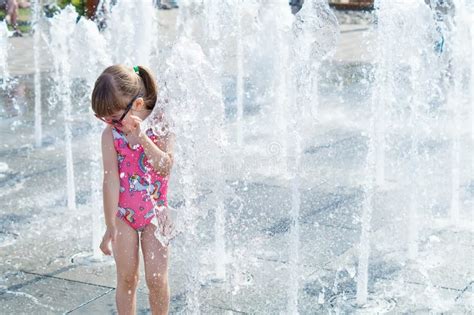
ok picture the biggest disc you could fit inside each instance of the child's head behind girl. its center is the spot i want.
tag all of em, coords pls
(120, 89)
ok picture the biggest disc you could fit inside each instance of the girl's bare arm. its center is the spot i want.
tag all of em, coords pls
(111, 184)
(160, 158)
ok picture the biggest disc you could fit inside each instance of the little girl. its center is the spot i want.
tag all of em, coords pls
(137, 164)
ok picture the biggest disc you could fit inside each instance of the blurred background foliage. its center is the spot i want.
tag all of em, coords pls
(49, 9)
(80, 5)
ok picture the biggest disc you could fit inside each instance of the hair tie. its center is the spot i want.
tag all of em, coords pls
(136, 70)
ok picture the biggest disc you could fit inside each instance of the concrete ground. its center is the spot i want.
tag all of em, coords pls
(44, 246)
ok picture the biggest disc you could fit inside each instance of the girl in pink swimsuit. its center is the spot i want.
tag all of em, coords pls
(137, 164)
(141, 189)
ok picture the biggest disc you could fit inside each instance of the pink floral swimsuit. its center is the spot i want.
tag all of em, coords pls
(138, 182)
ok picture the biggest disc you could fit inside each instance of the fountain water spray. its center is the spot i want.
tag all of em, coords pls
(130, 32)
(314, 38)
(458, 101)
(61, 30)
(285, 94)
(90, 55)
(381, 101)
(413, 223)
(186, 157)
(36, 55)
(471, 82)
(391, 63)
(4, 53)
(385, 93)
(422, 64)
(189, 97)
(214, 20)
(375, 161)
(278, 17)
(317, 34)
(414, 57)
(367, 208)
(239, 72)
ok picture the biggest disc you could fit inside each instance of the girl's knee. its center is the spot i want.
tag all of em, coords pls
(157, 281)
(129, 280)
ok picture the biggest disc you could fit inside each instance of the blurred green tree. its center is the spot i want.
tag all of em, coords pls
(80, 5)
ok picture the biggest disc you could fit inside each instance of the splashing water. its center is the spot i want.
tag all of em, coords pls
(130, 34)
(4, 52)
(62, 28)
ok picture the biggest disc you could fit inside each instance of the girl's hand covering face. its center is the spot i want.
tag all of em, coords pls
(133, 125)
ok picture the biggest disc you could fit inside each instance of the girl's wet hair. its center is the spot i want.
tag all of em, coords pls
(118, 85)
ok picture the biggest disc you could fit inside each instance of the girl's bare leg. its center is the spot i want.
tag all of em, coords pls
(156, 270)
(125, 250)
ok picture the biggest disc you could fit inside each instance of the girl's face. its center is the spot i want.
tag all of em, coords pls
(124, 125)
(117, 119)
(120, 119)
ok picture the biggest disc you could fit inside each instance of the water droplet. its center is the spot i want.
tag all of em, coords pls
(321, 298)
(351, 270)
(122, 174)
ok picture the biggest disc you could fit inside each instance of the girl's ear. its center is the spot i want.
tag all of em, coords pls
(139, 103)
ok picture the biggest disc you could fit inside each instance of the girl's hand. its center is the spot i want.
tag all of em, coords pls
(165, 222)
(109, 235)
(134, 125)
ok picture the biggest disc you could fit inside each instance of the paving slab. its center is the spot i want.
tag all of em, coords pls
(47, 295)
(466, 297)
(105, 304)
(252, 288)
(412, 298)
(318, 245)
(103, 274)
(435, 265)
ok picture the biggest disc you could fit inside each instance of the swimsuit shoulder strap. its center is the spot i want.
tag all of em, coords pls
(120, 140)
